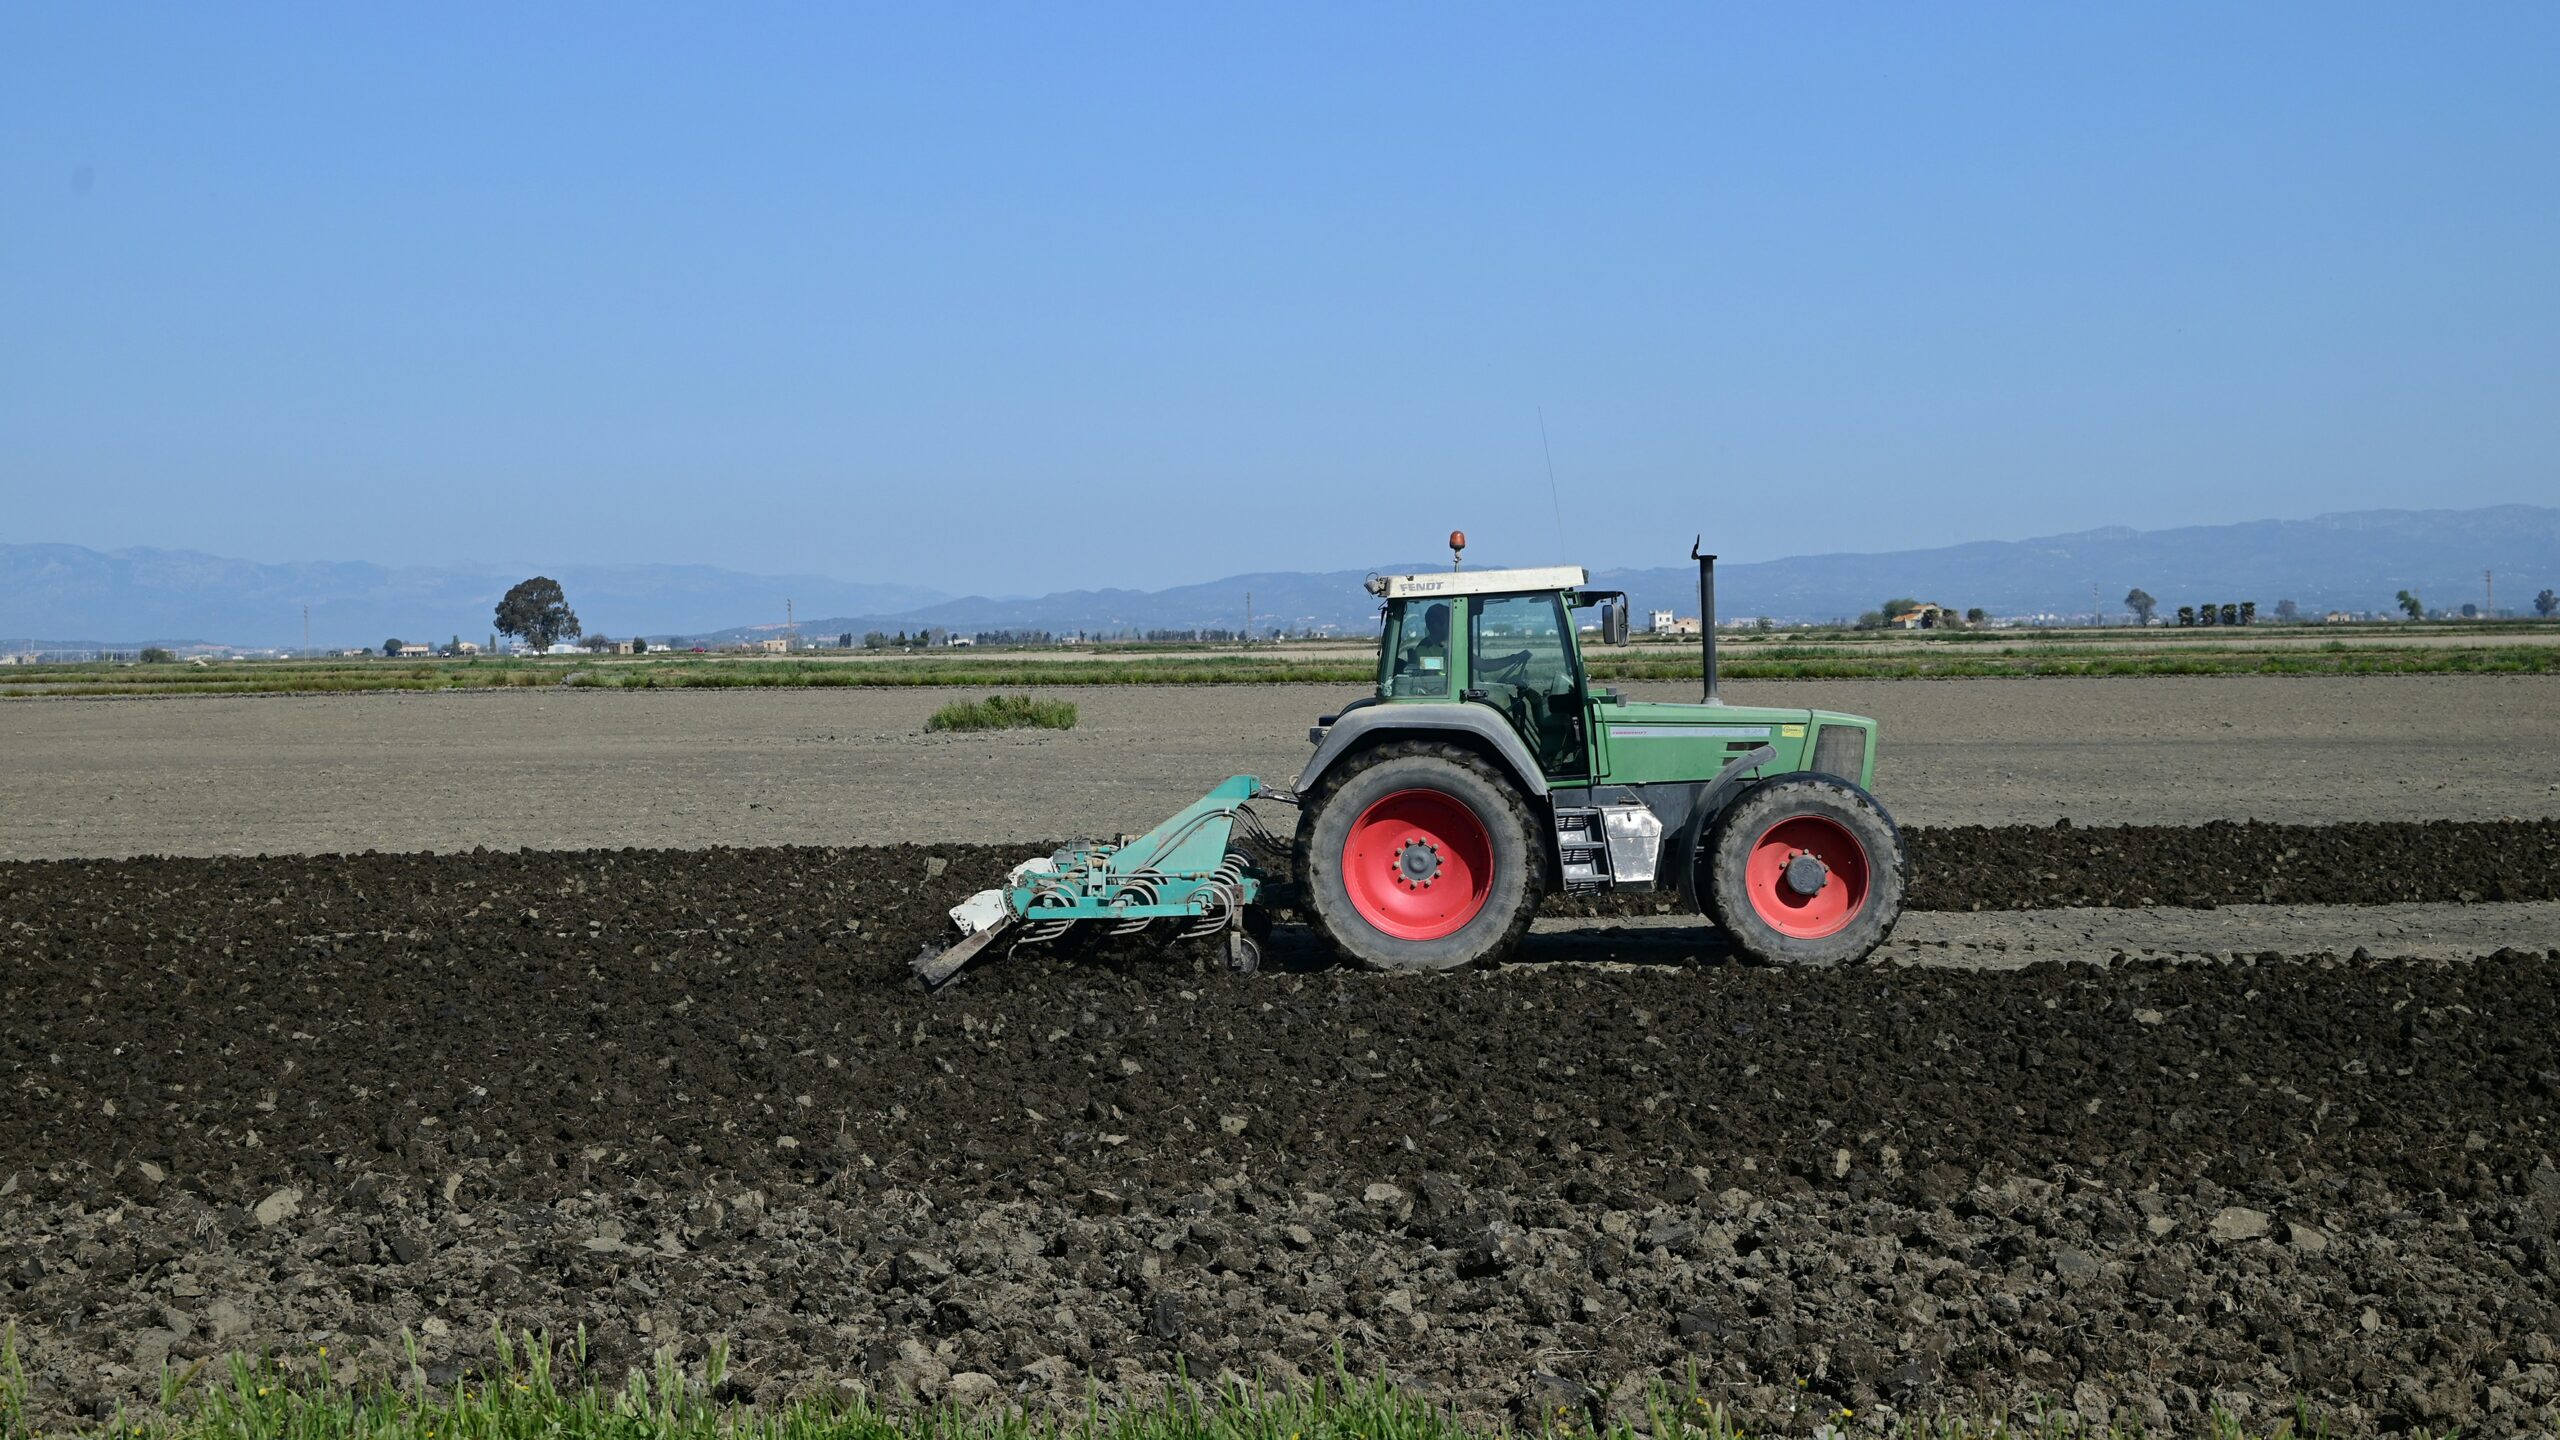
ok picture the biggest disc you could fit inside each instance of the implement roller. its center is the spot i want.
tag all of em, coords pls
(1487, 771)
(1185, 874)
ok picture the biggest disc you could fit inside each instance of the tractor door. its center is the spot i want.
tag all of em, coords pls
(1521, 660)
(1417, 660)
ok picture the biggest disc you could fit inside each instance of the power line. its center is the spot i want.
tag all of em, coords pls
(1562, 551)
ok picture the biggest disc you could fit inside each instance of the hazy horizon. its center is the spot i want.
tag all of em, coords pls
(2355, 560)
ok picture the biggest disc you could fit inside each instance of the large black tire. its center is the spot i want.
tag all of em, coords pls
(1767, 916)
(1518, 862)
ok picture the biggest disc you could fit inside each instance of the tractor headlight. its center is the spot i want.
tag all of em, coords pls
(1840, 750)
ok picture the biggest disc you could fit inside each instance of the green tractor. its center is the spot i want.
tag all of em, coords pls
(1486, 771)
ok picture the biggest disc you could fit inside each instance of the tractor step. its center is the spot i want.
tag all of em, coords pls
(1582, 849)
(1600, 846)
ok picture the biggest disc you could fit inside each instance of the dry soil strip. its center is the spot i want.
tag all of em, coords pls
(563, 769)
(2008, 940)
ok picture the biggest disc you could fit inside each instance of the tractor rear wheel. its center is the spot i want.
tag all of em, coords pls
(1804, 870)
(1419, 856)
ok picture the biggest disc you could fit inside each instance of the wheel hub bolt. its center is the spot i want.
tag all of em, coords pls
(1417, 864)
(1806, 874)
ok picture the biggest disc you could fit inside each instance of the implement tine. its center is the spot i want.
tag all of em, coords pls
(938, 970)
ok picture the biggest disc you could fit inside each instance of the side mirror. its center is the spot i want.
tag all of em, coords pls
(1613, 622)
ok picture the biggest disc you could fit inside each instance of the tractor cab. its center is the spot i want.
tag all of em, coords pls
(1501, 639)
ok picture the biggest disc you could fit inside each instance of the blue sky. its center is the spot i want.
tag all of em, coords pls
(1012, 299)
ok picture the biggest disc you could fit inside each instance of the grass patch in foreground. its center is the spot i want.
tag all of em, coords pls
(296, 1398)
(1004, 712)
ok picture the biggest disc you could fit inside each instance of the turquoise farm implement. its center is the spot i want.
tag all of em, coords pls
(1184, 875)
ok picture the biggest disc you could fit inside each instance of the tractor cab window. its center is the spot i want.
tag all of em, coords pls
(1523, 662)
(1418, 650)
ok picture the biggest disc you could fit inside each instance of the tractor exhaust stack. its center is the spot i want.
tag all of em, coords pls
(1707, 614)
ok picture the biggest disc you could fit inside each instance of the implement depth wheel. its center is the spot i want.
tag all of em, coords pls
(1804, 870)
(1419, 856)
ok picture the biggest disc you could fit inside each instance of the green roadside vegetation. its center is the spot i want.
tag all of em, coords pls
(2383, 650)
(1004, 712)
(522, 1398)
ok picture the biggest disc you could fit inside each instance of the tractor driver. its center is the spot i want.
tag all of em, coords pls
(1426, 660)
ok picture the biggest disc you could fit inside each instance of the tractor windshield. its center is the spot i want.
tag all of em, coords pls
(1417, 655)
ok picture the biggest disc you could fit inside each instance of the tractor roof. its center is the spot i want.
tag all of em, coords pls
(1478, 582)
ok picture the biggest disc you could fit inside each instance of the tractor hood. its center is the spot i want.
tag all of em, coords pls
(1660, 741)
(1665, 712)
(1676, 712)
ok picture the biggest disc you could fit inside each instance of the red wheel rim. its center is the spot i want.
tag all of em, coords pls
(1418, 864)
(1779, 901)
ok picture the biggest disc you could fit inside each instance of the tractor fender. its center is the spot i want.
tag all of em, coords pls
(1720, 792)
(1357, 728)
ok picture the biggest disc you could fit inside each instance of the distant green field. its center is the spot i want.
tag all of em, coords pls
(2534, 650)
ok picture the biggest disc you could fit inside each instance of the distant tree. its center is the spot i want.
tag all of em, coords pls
(2546, 604)
(1764, 625)
(639, 646)
(1976, 615)
(874, 640)
(2141, 603)
(1898, 605)
(1871, 620)
(2230, 614)
(2415, 608)
(154, 655)
(537, 613)
(845, 641)
(2470, 612)
(2248, 612)
(2186, 615)
(391, 648)
(2287, 611)
(597, 644)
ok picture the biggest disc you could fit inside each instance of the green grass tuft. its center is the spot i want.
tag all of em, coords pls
(1004, 712)
(539, 1391)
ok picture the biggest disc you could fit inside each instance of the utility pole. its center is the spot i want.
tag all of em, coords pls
(1248, 617)
(2489, 582)
(790, 627)
(2095, 613)
(306, 632)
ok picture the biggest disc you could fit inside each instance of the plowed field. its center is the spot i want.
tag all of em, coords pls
(675, 1096)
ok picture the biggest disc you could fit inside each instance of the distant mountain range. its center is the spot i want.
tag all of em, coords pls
(53, 595)
(2353, 561)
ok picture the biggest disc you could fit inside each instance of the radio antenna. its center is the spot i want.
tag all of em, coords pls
(1553, 494)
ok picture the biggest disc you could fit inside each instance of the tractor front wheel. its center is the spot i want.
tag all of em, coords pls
(1804, 870)
(1419, 856)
